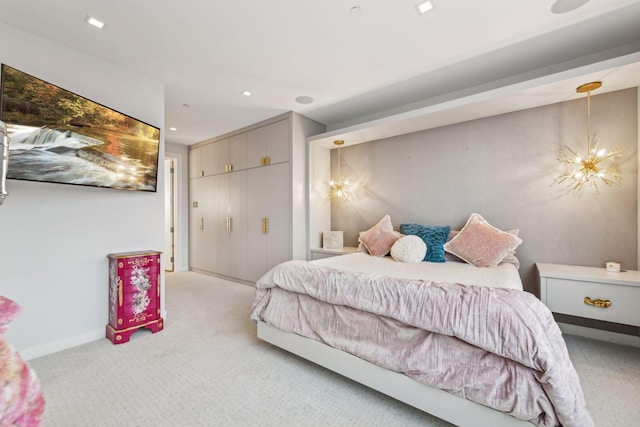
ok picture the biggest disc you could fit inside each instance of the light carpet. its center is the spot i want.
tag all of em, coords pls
(207, 368)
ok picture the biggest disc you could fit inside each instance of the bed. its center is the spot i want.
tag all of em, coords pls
(463, 343)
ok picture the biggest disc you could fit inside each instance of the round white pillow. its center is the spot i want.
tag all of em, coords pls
(409, 249)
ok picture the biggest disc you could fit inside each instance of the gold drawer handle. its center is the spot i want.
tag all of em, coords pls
(604, 303)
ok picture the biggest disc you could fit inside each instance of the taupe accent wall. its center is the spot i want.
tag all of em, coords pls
(504, 168)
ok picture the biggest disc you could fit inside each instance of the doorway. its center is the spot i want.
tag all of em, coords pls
(169, 213)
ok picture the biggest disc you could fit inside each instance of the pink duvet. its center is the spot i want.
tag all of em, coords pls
(498, 347)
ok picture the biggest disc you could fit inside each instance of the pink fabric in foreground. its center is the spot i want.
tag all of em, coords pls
(21, 399)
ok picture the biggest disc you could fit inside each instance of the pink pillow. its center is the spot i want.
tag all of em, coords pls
(379, 238)
(481, 244)
(511, 257)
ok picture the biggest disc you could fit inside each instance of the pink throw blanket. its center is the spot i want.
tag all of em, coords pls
(499, 347)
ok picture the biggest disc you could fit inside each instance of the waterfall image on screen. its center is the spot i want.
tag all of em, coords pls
(60, 137)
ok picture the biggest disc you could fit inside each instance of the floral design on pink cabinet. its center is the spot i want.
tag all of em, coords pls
(134, 294)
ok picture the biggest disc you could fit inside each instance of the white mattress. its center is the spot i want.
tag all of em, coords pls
(503, 276)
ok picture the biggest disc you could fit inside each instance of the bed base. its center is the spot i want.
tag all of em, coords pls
(454, 409)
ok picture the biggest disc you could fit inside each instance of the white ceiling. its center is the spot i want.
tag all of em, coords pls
(357, 67)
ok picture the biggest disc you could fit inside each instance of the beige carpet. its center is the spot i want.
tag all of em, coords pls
(207, 368)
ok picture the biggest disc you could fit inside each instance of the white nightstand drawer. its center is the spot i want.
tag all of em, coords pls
(567, 297)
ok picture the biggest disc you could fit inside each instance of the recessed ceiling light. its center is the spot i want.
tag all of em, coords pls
(246, 93)
(304, 99)
(424, 7)
(93, 21)
(173, 129)
(565, 6)
(355, 11)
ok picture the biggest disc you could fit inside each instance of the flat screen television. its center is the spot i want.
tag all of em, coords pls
(60, 137)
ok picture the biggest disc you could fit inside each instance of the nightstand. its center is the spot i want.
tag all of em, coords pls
(320, 253)
(592, 297)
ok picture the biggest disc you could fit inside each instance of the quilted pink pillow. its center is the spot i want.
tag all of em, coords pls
(511, 257)
(481, 244)
(379, 238)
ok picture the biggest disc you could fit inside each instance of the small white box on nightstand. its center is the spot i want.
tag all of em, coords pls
(332, 240)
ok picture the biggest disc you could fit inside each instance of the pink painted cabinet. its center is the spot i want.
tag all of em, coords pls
(134, 294)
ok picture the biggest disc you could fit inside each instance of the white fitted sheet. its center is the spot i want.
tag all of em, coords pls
(503, 276)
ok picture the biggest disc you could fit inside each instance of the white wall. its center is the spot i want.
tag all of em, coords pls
(55, 237)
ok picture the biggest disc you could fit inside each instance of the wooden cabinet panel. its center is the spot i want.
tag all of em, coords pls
(201, 161)
(220, 225)
(278, 141)
(201, 223)
(208, 159)
(268, 142)
(278, 212)
(231, 154)
(238, 225)
(269, 218)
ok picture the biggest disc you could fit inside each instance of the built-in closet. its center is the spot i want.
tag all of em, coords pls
(247, 198)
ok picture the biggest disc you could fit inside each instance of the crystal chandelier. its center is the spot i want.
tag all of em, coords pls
(340, 188)
(596, 165)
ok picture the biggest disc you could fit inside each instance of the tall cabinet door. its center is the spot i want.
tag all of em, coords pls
(278, 141)
(201, 224)
(256, 215)
(278, 211)
(221, 233)
(270, 142)
(238, 224)
(268, 218)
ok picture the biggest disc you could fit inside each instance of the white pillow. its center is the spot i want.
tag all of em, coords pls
(409, 249)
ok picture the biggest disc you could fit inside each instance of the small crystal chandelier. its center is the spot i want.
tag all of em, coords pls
(596, 165)
(340, 188)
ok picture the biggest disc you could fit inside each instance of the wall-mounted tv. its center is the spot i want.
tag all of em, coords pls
(60, 137)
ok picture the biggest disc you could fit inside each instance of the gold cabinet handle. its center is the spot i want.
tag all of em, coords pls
(201, 172)
(603, 303)
(266, 161)
(228, 168)
(201, 223)
(230, 224)
(265, 225)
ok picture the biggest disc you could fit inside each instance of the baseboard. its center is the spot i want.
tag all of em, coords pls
(600, 335)
(54, 347)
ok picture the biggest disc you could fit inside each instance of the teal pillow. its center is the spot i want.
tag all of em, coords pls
(435, 236)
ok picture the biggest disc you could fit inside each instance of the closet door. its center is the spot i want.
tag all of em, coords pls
(207, 159)
(221, 149)
(277, 135)
(256, 147)
(269, 219)
(269, 142)
(195, 163)
(201, 161)
(278, 212)
(201, 224)
(221, 233)
(256, 216)
(238, 225)
(231, 154)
